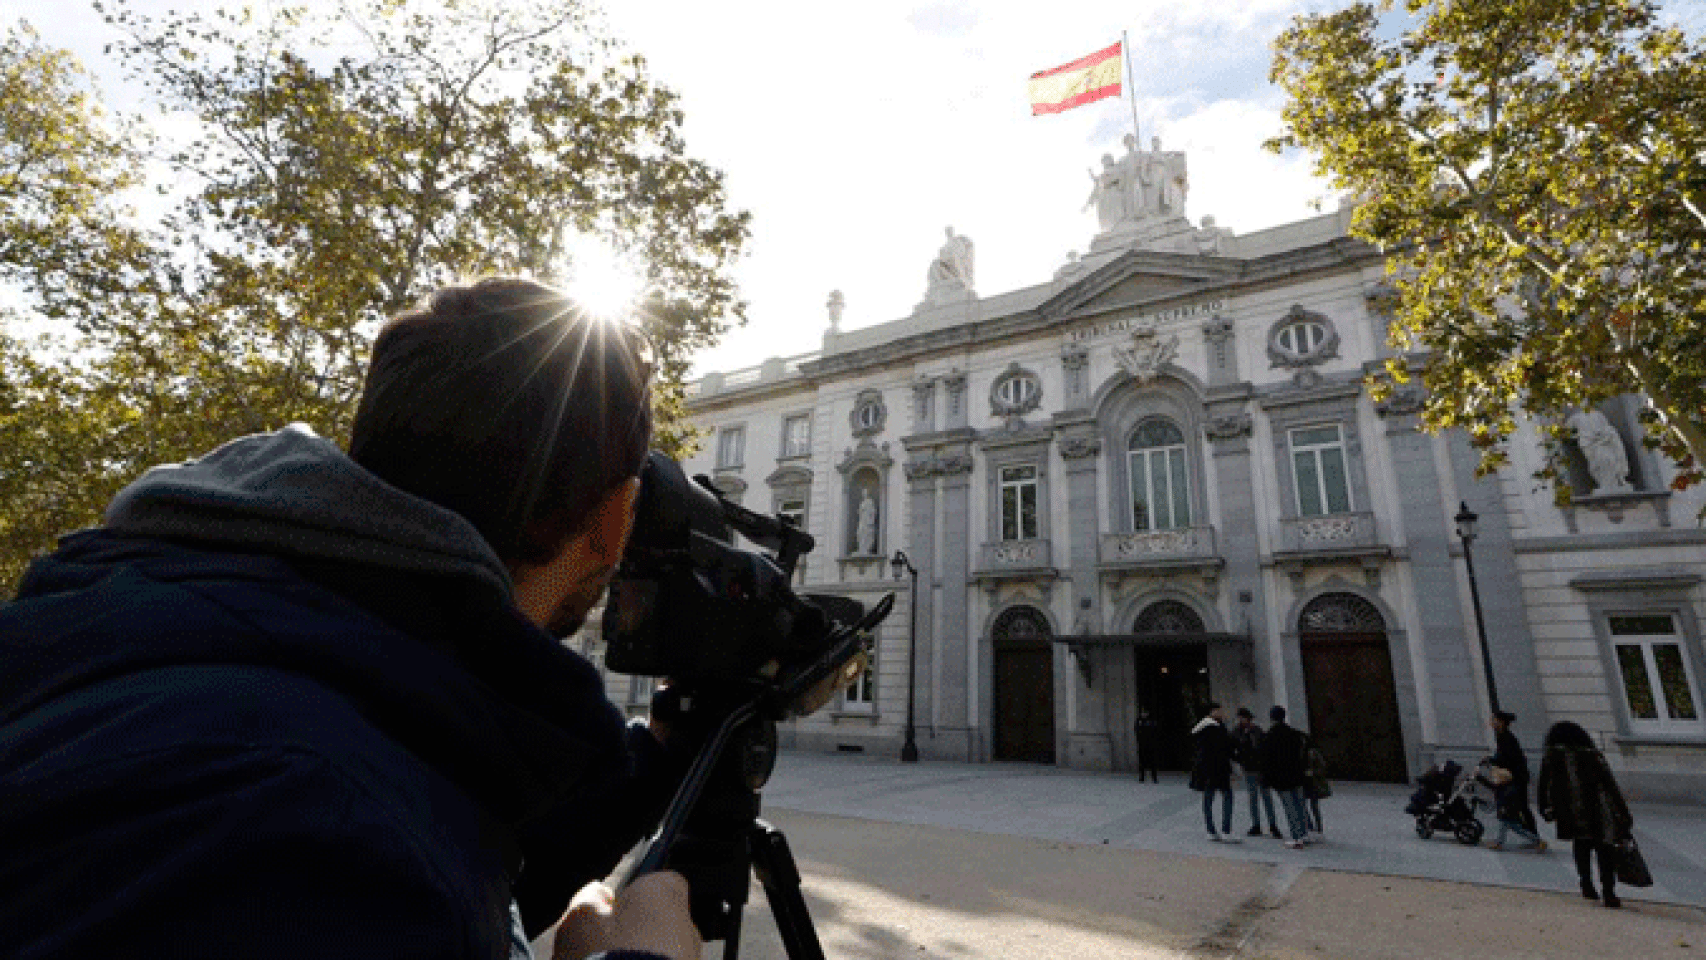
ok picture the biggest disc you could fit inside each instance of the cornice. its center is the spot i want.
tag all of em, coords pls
(1220, 275)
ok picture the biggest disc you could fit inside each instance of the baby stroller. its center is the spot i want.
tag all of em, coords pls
(1447, 800)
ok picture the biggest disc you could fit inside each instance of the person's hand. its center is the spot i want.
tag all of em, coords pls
(650, 915)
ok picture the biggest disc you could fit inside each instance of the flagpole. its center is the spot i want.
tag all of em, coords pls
(1131, 88)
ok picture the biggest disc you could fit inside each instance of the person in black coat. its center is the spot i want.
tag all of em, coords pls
(1247, 741)
(1284, 768)
(1148, 732)
(1211, 770)
(1577, 790)
(1510, 798)
(290, 701)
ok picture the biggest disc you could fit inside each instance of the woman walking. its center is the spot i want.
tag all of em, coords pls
(1578, 792)
(1315, 785)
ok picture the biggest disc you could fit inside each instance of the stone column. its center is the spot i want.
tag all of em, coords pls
(954, 414)
(921, 488)
(1088, 745)
(1515, 669)
(954, 735)
(1228, 430)
(1434, 581)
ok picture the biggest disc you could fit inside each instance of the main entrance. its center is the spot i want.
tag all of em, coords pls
(1171, 679)
(1353, 701)
(1024, 687)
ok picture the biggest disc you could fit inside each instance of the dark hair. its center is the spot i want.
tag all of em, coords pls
(1568, 733)
(1245, 712)
(1505, 716)
(507, 403)
(1276, 713)
(1213, 706)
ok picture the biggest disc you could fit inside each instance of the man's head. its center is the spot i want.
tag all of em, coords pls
(1502, 720)
(1245, 717)
(506, 403)
(1276, 713)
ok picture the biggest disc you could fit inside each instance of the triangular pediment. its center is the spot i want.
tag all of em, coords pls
(1138, 278)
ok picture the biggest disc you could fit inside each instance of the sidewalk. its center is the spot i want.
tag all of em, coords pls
(1367, 829)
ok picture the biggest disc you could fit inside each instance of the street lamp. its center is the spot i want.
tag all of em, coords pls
(1466, 532)
(909, 750)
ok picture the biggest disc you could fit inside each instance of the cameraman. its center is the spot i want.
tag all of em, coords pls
(290, 702)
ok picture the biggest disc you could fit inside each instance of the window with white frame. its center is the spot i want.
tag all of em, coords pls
(1318, 467)
(1019, 502)
(861, 695)
(1659, 685)
(797, 436)
(1160, 494)
(731, 447)
(794, 508)
(1302, 338)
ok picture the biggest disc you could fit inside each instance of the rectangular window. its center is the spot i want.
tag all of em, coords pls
(795, 510)
(1659, 686)
(1159, 493)
(861, 695)
(731, 447)
(1019, 503)
(1318, 461)
(797, 436)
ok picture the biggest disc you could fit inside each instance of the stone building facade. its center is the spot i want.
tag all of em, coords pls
(1158, 480)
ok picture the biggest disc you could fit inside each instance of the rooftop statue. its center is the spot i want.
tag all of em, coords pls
(951, 273)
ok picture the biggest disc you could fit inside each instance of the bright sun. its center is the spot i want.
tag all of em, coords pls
(602, 281)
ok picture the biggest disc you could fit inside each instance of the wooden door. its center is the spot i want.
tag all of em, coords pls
(1024, 687)
(1353, 706)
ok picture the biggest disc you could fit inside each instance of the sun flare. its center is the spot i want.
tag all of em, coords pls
(605, 283)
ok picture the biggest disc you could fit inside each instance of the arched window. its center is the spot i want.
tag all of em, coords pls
(1168, 616)
(1160, 494)
(1340, 613)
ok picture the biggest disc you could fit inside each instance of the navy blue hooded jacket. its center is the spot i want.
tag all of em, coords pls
(278, 708)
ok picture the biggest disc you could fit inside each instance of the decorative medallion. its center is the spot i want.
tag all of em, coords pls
(1146, 354)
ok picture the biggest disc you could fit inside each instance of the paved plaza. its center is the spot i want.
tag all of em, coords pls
(1367, 830)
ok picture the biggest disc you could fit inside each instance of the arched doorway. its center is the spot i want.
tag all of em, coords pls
(1171, 677)
(1347, 679)
(1024, 686)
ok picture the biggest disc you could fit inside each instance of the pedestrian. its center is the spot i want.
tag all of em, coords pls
(1283, 767)
(1247, 750)
(1577, 791)
(1510, 785)
(1211, 770)
(1315, 785)
(1148, 731)
(290, 700)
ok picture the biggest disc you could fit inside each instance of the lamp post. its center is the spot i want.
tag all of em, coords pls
(900, 563)
(1466, 532)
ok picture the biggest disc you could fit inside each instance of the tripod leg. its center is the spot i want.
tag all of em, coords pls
(774, 864)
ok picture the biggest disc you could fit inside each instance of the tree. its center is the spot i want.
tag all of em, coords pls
(63, 243)
(350, 162)
(1535, 171)
(343, 162)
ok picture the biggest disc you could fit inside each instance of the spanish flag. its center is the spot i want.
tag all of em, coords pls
(1085, 80)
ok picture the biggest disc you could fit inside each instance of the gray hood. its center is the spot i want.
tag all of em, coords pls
(295, 493)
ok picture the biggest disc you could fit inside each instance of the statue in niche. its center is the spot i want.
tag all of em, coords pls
(865, 534)
(952, 271)
(1602, 447)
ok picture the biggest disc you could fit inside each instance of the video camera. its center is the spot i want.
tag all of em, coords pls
(741, 651)
(689, 605)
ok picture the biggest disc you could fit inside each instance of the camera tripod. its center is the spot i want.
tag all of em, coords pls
(712, 833)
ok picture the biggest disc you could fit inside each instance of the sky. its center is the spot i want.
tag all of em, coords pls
(856, 132)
